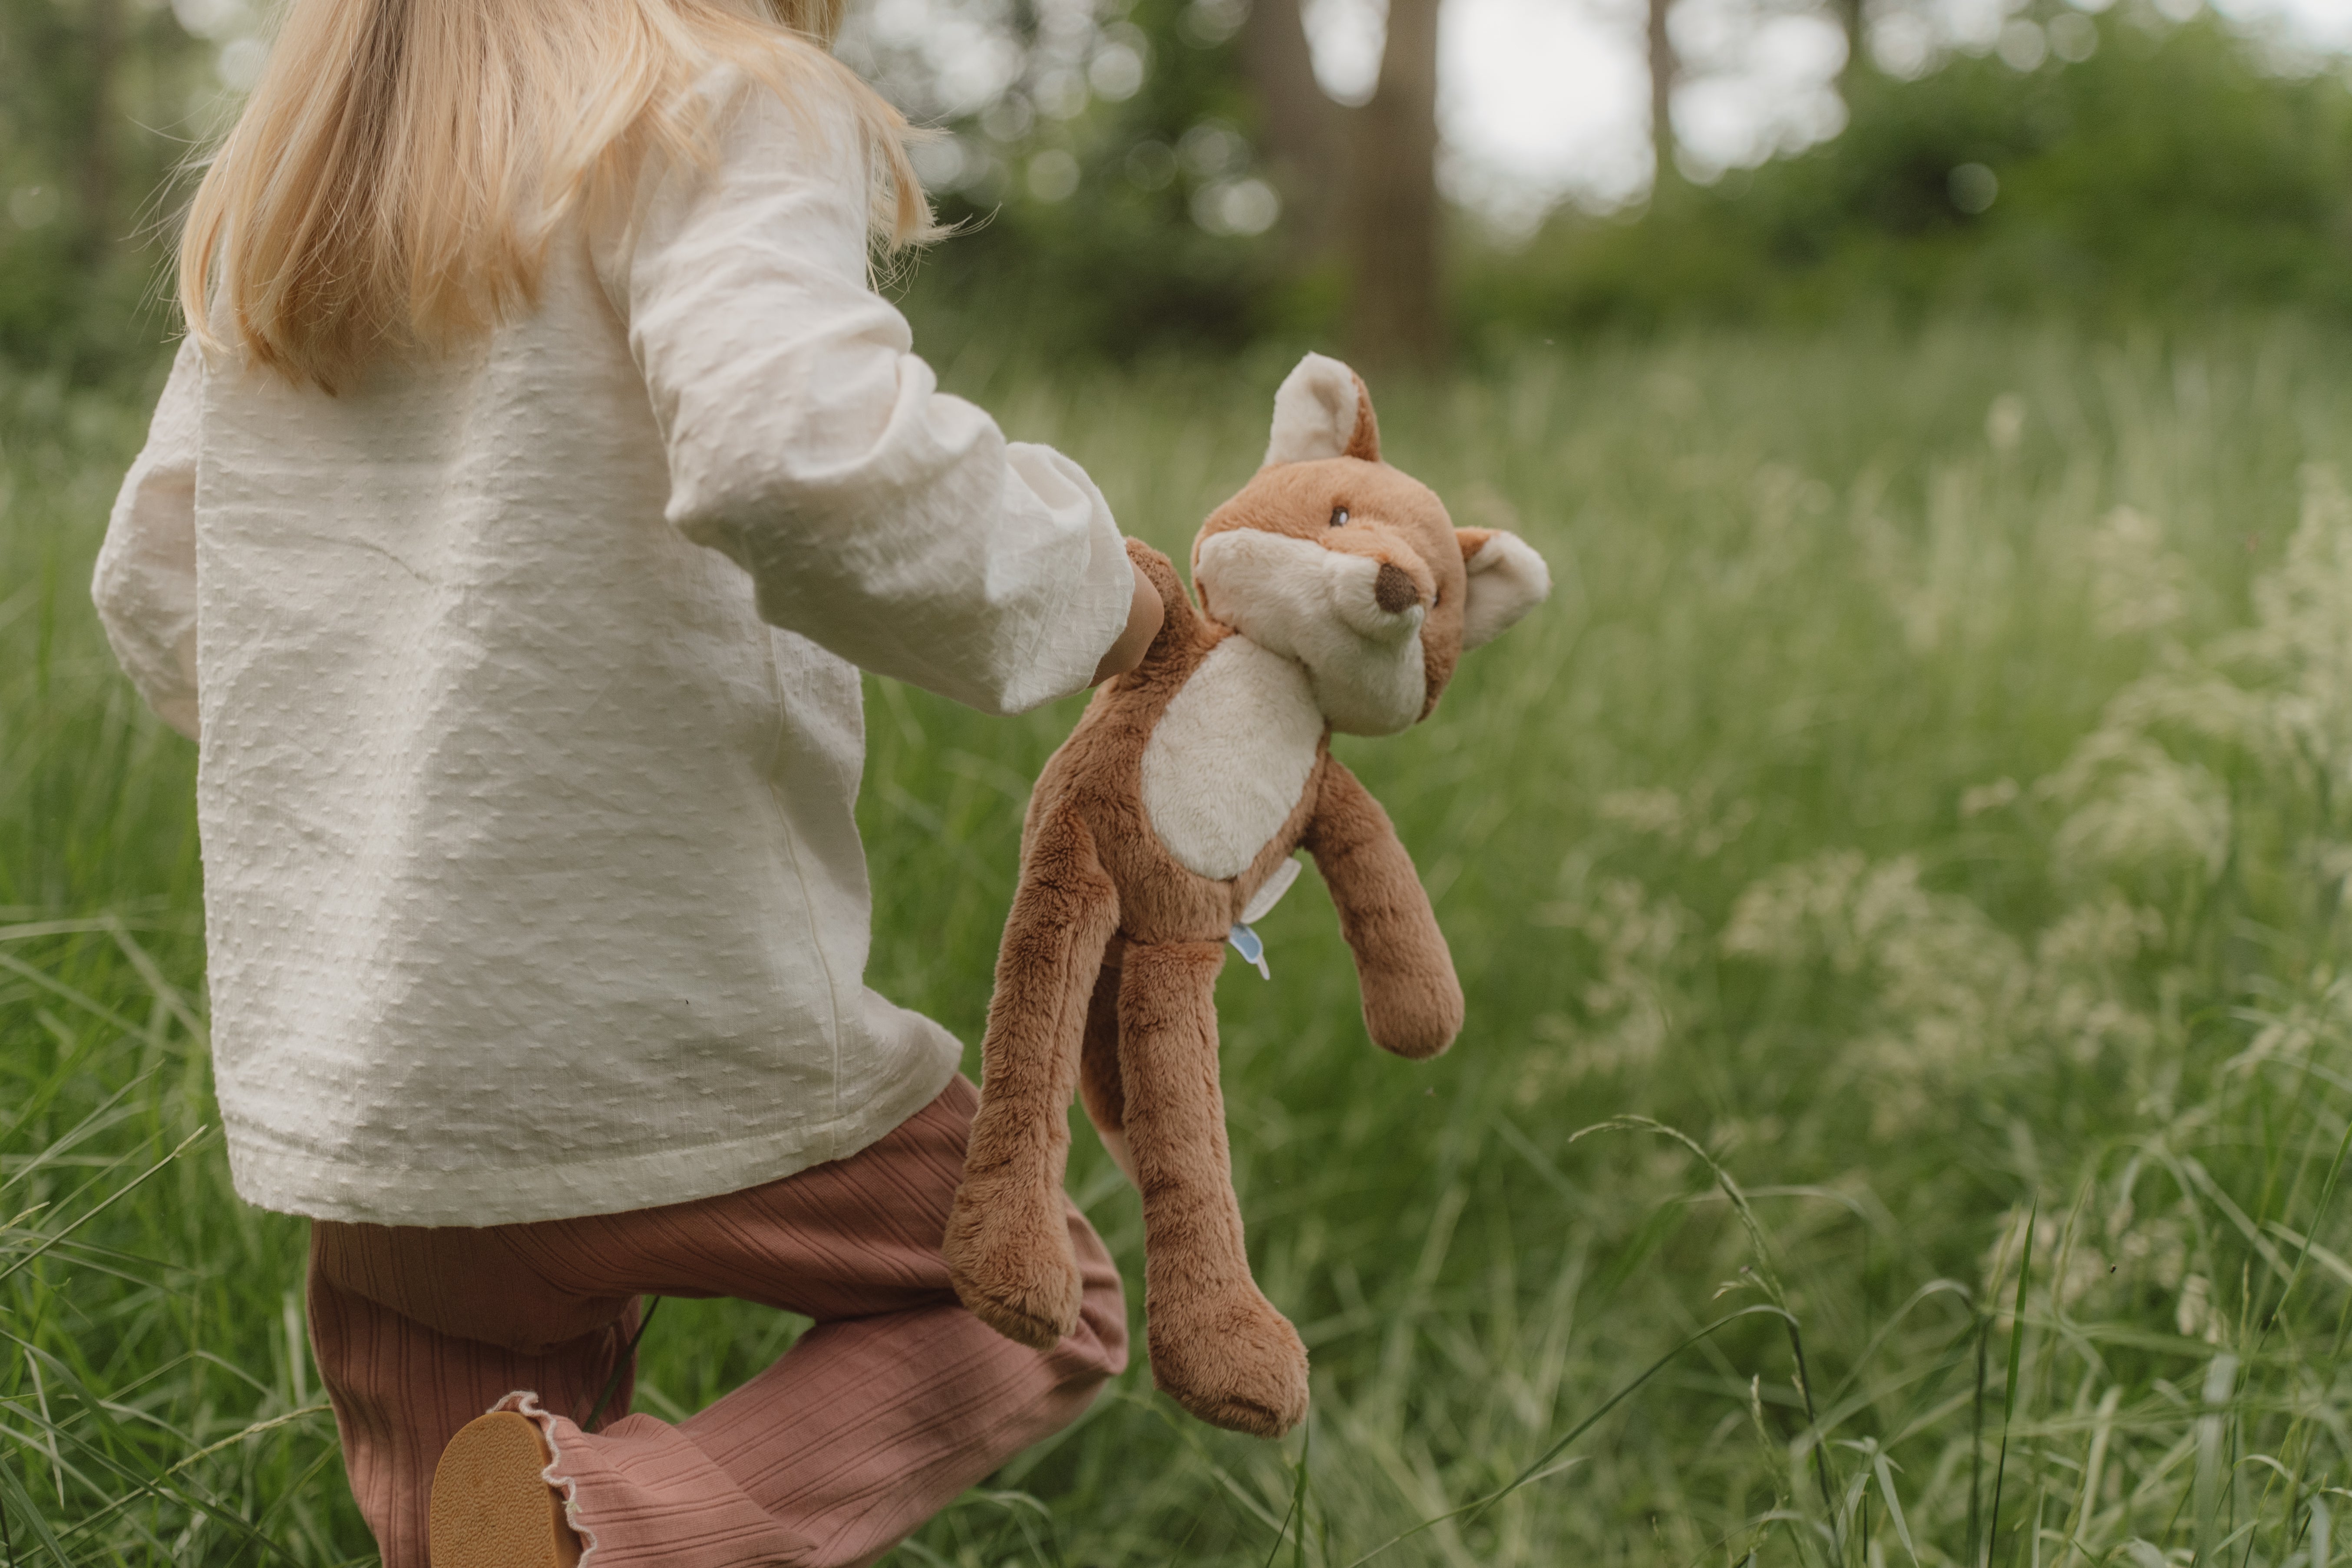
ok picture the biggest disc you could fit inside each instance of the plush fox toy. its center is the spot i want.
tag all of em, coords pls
(1335, 596)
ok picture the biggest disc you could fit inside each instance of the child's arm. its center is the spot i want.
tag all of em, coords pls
(145, 584)
(1146, 612)
(881, 518)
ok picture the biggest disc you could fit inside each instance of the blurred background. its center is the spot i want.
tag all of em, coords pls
(1913, 841)
(1415, 182)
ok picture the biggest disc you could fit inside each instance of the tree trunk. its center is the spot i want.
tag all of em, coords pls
(1395, 312)
(1663, 69)
(94, 174)
(1850, 20)
(1305, 135)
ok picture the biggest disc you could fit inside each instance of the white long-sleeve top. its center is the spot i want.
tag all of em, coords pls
(525, 695)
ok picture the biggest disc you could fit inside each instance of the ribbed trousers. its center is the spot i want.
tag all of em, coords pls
(895, 1402)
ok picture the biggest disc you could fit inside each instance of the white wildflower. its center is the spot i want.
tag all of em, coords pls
(1629, 1001)
(1656, 812)
(1977, 799)
(2137, 586)
(1688, 822)
(2137, 807)
(1945, 982)
(2194, 1314)
(2107, 931)
(2005, 423)
(2066, 1266)
(2156, 1253)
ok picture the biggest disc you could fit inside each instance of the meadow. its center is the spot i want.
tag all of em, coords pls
(1897, 886)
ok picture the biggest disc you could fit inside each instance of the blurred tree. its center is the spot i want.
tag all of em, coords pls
(1097, 163)
(1304, 131)
(1852, 21)
(1168, 175)
(1665, 69)
(1361, 181)
(2161, 168)
(91, 93)
(95, 172)
(1395, 313)
(1206, 190)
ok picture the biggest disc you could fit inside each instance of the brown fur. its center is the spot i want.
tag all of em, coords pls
(1411, 532)
(1106, 974)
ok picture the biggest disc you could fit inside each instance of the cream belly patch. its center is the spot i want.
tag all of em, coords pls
(1230, 756)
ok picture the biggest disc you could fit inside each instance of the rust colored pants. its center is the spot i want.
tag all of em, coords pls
(896, 1401)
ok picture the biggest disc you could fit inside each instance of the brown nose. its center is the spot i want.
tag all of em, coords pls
(1393, 591)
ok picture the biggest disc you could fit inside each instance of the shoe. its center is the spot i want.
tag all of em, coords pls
(490, 1509)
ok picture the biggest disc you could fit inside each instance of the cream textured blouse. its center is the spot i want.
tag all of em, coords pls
(525, 685)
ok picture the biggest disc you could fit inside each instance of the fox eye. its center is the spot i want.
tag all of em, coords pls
(1338, 516)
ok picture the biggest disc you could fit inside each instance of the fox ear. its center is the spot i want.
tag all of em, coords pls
(1507, 579)
(1323, 411)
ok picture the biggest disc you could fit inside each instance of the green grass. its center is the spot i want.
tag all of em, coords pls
(1924, 796)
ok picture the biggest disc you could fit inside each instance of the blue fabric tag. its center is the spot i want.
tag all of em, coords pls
(1246, 943)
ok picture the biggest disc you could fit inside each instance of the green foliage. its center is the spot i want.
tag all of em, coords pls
(2170, 172)
(1116, 267)
(1914, 834)
(2174, 171)
(99, 99)
(156, 1402)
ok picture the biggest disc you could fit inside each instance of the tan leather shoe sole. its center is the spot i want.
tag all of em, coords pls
(489, 1508)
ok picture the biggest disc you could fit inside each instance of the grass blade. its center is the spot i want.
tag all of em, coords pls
(109, 1202)
(1885, 1468)
(2310, 1234)
(2221, 1378)
(1473, 1510)
(1297, 1506)
(2016, 1354)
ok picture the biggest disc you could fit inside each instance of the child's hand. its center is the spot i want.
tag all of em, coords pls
(1144, 614)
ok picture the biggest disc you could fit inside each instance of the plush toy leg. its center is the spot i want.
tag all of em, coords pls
(1008, 1241)
(1218, 1347)
(1098, 1084)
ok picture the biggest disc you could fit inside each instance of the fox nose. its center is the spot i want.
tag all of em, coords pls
(1393, 589)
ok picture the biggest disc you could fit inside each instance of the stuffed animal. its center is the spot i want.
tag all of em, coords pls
(1335, 596)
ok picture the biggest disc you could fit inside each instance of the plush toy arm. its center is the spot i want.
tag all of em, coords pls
(1181, 625)
(1008, 1242)
(1413, 1002)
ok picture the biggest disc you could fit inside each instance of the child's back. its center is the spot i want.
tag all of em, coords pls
(533, 888)
(525, 679)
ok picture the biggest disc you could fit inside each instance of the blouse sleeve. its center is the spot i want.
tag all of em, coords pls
(877, 516)
(145, 583)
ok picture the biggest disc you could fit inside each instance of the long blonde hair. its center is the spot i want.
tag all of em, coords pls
(402, 165)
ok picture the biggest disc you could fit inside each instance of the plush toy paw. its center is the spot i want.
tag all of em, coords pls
(1233, 1361)
(1412, 1017)
(1009, 1256)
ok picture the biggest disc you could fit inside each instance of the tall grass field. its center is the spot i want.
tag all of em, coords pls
(1897, 883)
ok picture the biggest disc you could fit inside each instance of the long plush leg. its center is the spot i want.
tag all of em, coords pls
(1218, 1347)
(1008, 1242)
(1098, 1083)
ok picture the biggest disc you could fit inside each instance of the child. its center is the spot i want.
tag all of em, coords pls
(538, 472)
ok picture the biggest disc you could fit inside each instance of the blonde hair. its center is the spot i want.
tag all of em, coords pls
(402, 165)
